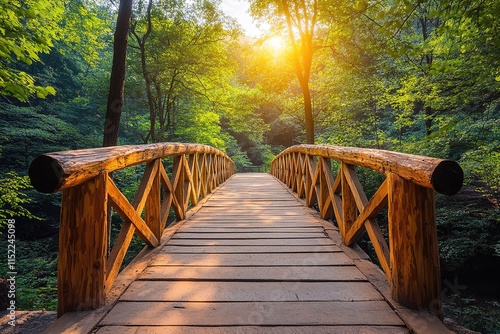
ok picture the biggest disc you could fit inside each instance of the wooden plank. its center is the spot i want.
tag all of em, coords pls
(238, 225)
(349, 210)
(419, 322)
(253, 330)
(254, 229)
(248, 274)
(262, 235)
(262, 218)
(280, 195)
(250, 249)
(250, 203)
(251, 313)
(176, 291)
(253, 242)
(239, 194)
(250, 212)
(288, 259)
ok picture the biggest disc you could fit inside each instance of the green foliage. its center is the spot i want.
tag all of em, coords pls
(482, 317)
(12, 197)
(86, 29)
(32, 28)
(180, 51)
(421, 77)
(468, 230)
(36, 263)
(262, 155)
(23, 126)
(28, 28)
(203, 128)
(239, 157)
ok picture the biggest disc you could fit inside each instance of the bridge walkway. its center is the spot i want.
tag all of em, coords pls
(252, 259)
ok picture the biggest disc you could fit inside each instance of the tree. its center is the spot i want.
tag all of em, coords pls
(182, 53)
(117, 79)
(27, 28)
(301, 19)
(13, 199)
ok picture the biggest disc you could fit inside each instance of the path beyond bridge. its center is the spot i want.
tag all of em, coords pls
(252, 259)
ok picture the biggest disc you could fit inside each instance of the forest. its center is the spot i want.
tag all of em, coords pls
(413, 76)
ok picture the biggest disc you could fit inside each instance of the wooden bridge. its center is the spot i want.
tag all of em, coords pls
(251, 255)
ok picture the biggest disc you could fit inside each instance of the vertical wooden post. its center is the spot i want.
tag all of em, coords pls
(152, 215)
(414, 257)
(82, 246)
(349, 208)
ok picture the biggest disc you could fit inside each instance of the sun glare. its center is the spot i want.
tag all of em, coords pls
(276, 44)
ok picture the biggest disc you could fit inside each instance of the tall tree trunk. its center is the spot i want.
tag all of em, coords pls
(117, 80)
(428, 120)
(308, 113)
(117, 86)
(153, 107)
(303, 54)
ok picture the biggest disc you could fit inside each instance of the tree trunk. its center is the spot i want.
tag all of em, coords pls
(117, 85)
(303, 54)
(308, 114)
(141, 41)
(428, 120)
(117, 80)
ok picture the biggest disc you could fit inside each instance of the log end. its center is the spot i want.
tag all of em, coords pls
(447, 178)
(46, 174)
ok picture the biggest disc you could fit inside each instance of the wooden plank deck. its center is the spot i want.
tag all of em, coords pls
(252, 260)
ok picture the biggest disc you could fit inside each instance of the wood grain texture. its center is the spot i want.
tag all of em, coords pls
(311, 242)
(251, 274)
(253, 277)
(245, 260)
(410, 261)
(250, 249)
(227, 291)
(88, 190)
(415, 279)
(256, 285)
(83, 243)
(444, 176)
(253, 330)
(60, 170)
(252, 313)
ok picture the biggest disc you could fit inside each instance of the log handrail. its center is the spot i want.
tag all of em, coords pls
(86, 267)
(56, 171)
(410, 259)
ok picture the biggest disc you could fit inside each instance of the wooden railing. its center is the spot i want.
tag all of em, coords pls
(86, 268)
(411, 260)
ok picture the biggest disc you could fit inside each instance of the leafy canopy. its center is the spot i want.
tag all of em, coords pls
(27, 28)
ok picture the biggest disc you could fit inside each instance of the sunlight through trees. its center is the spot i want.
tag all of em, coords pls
(420, 77)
